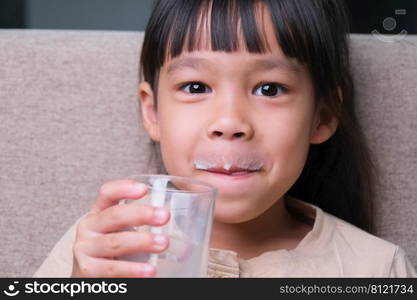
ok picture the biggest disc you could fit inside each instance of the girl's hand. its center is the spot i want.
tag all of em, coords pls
(99, 240)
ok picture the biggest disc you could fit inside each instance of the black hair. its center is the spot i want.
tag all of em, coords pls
(339, 175)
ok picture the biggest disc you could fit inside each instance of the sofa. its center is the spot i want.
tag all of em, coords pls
(70, 121)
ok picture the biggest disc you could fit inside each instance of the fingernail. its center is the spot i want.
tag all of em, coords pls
(148, 269)
(159, 214)
(138, 187)
(160, 239)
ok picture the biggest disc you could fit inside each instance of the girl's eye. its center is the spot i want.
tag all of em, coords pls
(270, 89)
(195, 88)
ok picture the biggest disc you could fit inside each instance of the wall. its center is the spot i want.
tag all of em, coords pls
(88, 14)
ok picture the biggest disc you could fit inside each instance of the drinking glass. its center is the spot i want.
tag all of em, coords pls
(191, 204)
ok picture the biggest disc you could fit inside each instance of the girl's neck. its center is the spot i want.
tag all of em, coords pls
(275, 229)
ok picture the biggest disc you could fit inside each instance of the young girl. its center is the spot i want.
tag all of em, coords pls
(240, 83)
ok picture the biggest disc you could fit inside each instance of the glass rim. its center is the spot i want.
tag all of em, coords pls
(209, 189)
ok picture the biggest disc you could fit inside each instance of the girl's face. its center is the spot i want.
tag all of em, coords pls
(236, 110)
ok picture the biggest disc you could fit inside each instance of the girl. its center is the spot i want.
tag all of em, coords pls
(239, 83)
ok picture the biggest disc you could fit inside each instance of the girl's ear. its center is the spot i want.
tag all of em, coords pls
(325, 124)
(149, 112)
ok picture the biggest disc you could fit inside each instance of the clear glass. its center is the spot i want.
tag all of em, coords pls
(191, 203)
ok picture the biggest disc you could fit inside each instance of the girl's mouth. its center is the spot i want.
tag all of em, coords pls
(239, 173)
(233, 184)
(232, 178)
(230, 169)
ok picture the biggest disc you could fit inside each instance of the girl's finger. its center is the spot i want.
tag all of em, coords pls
(101, 267)
(119, 217)
(123, 243)
(111, 192)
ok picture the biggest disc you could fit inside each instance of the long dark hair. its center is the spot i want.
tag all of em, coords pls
(339, 175)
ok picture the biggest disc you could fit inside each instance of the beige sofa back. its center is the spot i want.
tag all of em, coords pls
(69, 122)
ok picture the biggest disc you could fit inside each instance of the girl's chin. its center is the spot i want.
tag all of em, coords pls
(233, 213)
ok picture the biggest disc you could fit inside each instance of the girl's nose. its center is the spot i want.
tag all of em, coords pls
(230, 126)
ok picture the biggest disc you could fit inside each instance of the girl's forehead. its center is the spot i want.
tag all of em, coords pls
(208, 59)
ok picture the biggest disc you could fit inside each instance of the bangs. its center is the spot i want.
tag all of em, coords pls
(228, 25)
(312, 32)
(222, 22)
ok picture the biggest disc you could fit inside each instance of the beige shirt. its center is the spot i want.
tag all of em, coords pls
(333, 248)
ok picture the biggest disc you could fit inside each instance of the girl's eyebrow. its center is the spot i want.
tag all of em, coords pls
(257, 64)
